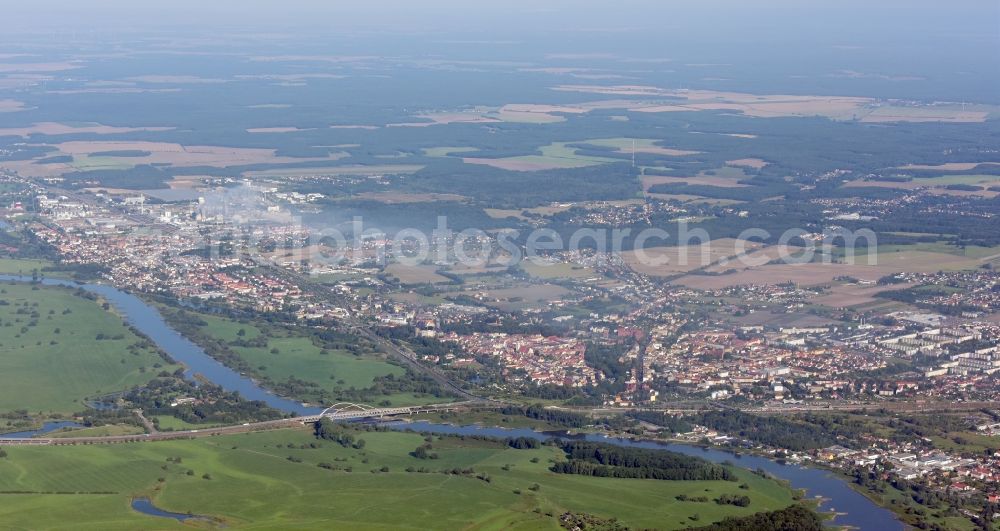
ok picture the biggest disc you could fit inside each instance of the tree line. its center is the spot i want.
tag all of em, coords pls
(605, 460)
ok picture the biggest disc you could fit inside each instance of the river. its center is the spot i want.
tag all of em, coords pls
(854, 509)
(148, 320)
(145, 506)
(46, 428)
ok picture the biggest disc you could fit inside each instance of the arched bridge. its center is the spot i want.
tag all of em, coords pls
(348, 410)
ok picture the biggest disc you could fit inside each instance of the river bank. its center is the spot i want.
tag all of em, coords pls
(835, 494)
(148, 320)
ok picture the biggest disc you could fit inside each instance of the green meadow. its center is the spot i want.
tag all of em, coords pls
(57, 349)
(16, 266)
(287, 355)
(299, 357)
(91, 163)
(270, 480)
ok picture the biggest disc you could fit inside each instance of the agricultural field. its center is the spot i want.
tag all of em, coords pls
(415, 274)
(930, 257)
(949, 166)
(517, 298)
(973, 179)
(842, 295)
(556, 270)
(748, 162)
(444, 151)
(641, 145)
(237, 481)
(669, 261)
(9, 105)
(841, 108)
(90, 155)
(336, 170)
(404, 197)
(755, 256)
(557, 155)
(58, 349)
(939, 184)
(918, 258)
(278, 129)
(55, 128)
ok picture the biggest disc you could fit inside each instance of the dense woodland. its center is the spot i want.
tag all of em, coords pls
(671, 423)
(793, 518)
(605, 460)
(770, 431)
(566, 419)
(209, 403)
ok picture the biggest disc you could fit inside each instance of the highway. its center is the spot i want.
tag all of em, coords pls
(348, 413)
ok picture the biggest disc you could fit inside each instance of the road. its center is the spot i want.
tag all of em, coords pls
(404, 354)
(158, 436)
(356, 326)
(296, 422)
(789, 409)
(150, 427)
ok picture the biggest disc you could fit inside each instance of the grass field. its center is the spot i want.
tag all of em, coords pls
(290, 356)
(299, 357)
(642, 145)
(557, 155)
(172, 423)
(51, 358)
(407, 274)
(12, 266)
(668, 261)
(556, 270)
(942, 254)
(100, 431)
(25, 267)
(254, 485)
(89, 163)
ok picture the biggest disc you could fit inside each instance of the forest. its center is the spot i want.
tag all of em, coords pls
(793, 518)
(770, 431)
(605, 460)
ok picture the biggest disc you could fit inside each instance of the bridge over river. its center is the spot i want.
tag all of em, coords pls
(342, 411)
(349, 411)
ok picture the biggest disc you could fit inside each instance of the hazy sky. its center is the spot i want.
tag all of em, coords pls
(953, 43)
(511, 16)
